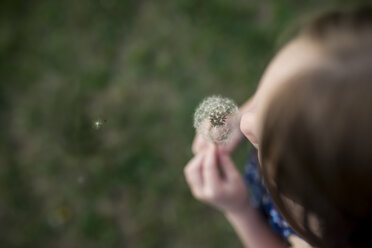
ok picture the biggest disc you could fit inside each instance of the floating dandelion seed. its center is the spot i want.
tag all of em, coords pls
(216, 119)
(81, 179)
(97, 124)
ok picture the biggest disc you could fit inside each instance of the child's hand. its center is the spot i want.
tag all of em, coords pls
(226, 192)
(200, 144)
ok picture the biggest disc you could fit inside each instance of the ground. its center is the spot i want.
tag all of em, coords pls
(96, 105)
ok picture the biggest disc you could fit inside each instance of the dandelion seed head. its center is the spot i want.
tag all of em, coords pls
(215, 118)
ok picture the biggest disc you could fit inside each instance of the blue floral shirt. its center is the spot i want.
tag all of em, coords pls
(261, 199)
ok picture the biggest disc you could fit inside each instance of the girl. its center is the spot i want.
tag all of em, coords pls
(310, 121)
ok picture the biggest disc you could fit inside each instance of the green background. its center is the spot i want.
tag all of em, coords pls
(140, 67)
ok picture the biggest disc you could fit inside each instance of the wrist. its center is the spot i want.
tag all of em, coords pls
(242, 209)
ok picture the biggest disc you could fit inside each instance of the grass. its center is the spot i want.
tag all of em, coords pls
(141, 67)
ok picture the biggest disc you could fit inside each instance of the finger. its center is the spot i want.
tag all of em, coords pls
(224, 148)
(193, 174)
(199, 144)
(210, 170)
(227, 166)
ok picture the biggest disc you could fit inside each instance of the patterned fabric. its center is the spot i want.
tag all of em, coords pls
(261, 199)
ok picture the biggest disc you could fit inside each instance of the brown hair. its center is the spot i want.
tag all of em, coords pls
(316, 142)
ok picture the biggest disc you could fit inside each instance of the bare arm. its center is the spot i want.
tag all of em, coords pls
(229, 195)
(252, 229)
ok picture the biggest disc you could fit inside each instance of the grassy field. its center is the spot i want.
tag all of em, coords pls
(140, 68)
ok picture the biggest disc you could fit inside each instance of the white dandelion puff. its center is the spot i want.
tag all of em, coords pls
(216, 119)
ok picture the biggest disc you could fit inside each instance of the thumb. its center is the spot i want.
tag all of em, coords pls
(199, 144)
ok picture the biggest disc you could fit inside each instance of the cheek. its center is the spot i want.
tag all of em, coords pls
(248, 128)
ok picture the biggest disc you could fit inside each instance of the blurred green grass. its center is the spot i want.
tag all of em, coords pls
(142, 67)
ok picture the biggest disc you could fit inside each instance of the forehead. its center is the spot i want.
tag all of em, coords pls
(297, 56)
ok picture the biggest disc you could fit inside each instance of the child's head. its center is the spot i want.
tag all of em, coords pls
(310, 120)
